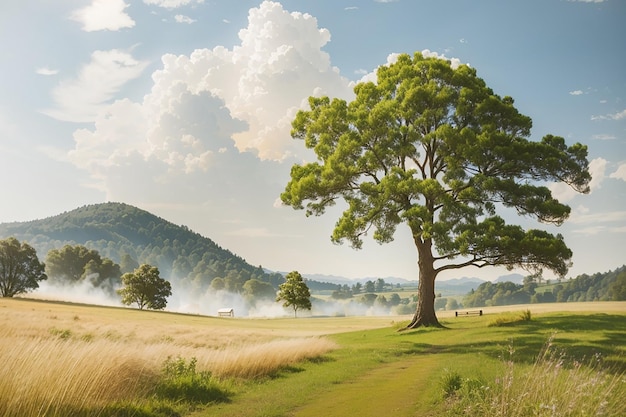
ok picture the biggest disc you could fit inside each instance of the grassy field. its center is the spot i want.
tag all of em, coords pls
(67, 359)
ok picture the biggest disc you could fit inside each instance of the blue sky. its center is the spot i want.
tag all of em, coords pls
(183, 108)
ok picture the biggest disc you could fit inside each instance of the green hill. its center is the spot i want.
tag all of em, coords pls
(118, 230)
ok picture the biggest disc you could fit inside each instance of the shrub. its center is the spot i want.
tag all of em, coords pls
(61, 333)
(180, 381)
(451, 382)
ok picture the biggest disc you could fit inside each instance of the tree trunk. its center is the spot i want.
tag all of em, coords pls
(425, 312)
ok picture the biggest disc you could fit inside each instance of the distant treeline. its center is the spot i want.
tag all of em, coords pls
(608, 286)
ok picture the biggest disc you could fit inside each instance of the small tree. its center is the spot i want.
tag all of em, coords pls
(255, 290)
(145, 288)
(73, 264)
(20, 269)
(295, 293)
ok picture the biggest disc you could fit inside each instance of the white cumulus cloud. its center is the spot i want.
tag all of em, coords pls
(103, 15)
(620, 173)
(80, 99)
(265, 79)
(215, 123)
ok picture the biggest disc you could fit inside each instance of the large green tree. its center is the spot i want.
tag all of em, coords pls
(145, 288)
(20, 269)
(430, 146)
(294, 293)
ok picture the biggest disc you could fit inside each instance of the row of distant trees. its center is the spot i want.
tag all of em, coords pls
(141, 285)
(609, 286)
(21, 271)
(348, 291)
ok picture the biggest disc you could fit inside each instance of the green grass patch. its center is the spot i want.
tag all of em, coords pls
(436, 372)
(505, 319)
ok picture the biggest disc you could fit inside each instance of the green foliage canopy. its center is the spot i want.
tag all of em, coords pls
(72, 264)
(20, 269)
(256, 291)
(294, 293)
(145, 288)
(432, 147)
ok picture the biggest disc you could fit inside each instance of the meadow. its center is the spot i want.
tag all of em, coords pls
(68, 359)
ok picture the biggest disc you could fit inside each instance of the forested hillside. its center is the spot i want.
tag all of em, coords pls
(608, 286)
(119, 231)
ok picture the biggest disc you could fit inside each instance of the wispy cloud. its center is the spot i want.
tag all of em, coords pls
(252, 232)
(46, 71)
(576, 93)
(80, 99)
(351, 8)
(596, 230)
(614, 116)
(180, 18)
(103, 15)
(171, 4)
(596, 218)
(603, 137)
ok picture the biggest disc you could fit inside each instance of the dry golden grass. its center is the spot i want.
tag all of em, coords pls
(46, 376)
(59, 357)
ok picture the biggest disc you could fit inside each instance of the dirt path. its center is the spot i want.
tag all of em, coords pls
(389, 390)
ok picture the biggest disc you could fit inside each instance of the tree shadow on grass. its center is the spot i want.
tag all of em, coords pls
(285, 370)
(579, 337)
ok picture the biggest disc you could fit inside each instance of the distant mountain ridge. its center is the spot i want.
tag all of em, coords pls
(453, 286)
(335, 279)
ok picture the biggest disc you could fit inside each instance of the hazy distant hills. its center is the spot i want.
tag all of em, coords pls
(454, 286)
(116, 230)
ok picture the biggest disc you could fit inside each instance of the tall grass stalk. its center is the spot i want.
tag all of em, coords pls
(553, 386)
